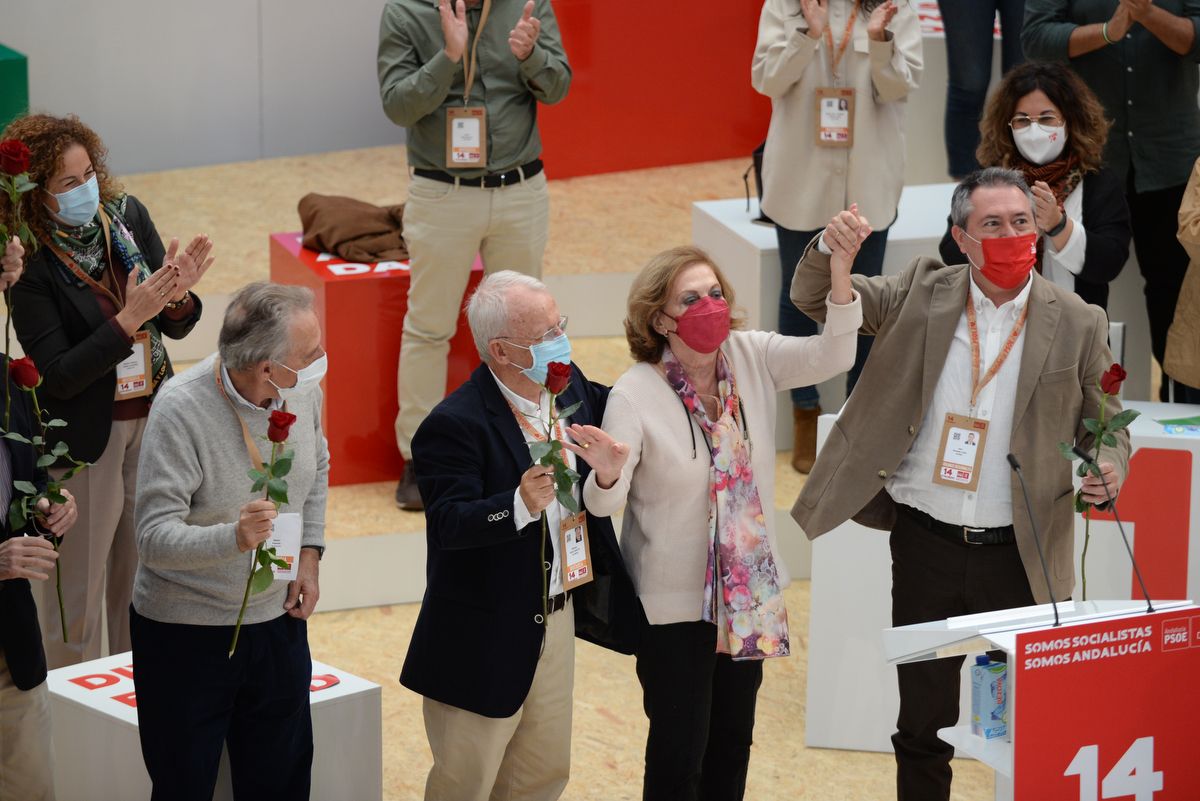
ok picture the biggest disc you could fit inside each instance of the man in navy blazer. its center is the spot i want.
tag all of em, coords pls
(496, 670)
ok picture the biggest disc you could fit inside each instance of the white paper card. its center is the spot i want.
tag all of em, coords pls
(286, 533)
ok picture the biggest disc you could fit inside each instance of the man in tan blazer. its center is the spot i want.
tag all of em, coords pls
(960, 548)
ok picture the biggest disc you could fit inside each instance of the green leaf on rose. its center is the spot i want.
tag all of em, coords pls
(1066, 451)
(24, 234)
(255, 474)
(56, 423)
(1092, 425)
(1122, 419)
(46, 459)
(1108, 439)
(1081, 469)
(568, 501)
(277, 490)
(258, 484)
(1080, 504)
(15, 437)
(56, 496)
(281, 564)
(282, 466)
(263, 578)
(61, 449)
(263, 557)
(539, 451)
(25, 487)
(17, 516)
(570, 410)
(38, 441)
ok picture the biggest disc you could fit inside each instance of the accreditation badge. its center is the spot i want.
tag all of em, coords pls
(961, 452)
(576, 551)
(835, 116)
(133, 374)
(466, 137)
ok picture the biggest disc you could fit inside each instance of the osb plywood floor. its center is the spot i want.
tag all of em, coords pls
(599, 223)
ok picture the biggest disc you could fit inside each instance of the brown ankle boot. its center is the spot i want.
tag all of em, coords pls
(804, 443)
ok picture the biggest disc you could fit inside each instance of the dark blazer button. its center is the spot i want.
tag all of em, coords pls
(883, 474)
(912, 430)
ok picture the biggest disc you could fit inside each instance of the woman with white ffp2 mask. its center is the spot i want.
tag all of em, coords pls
(1045, 122)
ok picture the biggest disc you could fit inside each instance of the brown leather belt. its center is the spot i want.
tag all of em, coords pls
(960, 535)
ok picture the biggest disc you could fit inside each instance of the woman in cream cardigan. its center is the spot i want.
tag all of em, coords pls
(698, 414)
(838, 73)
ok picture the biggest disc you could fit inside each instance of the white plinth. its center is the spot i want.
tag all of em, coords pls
(98, 756)
(852, 695)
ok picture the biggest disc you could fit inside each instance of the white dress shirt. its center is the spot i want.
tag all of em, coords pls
(1061, 266)
(912, 483)
(235, 396)
(538, 415)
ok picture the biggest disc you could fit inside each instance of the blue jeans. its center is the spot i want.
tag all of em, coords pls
(968, 26)
(795, 323)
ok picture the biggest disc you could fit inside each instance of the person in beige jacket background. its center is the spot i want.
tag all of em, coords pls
(848, 67)
(1183, 339)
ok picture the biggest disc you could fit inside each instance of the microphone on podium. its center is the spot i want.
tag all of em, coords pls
(1090, 461)
(1016, 467)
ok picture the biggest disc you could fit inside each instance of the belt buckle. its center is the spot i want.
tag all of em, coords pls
(969, 529)
(503, 175)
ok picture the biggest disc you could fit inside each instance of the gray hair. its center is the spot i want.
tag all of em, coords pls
(487, 309)
(257, 326)
(960, 202)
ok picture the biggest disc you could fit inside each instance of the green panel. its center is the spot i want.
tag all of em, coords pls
(14, 85)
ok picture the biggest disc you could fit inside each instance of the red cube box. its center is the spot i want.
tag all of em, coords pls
(361, 308)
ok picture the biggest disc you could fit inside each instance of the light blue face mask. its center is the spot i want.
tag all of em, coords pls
(555, 350)
(79, 205)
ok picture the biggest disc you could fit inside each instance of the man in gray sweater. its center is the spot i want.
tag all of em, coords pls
(197, 525)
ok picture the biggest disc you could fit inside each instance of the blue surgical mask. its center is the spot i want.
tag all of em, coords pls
(554, 350)
(307, 379)
(78, 206)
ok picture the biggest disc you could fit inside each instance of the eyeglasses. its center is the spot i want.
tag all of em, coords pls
(551, 333)
(1045, 121)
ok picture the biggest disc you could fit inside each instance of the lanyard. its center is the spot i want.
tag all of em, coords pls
(977, 384)
(256, 460)
(835, 57)
(82, 275)
(472, 66)
(526, 426)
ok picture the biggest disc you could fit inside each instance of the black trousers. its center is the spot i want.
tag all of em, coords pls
(193, 698)
(933, 579)
(701, 710)
(1154, 218)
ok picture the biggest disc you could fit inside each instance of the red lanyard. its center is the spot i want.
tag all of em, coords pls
(538, 436)
(835, 57)
(978, 384)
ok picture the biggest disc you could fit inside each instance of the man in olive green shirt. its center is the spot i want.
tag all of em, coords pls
(499, 207)
(1139, 57)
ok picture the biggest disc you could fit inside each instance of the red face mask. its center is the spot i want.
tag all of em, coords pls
(1007, 260)
(704, 326)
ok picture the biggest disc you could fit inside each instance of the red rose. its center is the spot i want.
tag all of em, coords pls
(14, 157)
(24, 373)
(558, 375)
(1110, 382)
(279, 425)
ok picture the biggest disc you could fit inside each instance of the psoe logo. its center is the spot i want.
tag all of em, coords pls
(1176, 634)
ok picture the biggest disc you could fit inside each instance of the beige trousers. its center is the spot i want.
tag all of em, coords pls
(444, 227)
(98, 556)
(26, 751)
(526, 757)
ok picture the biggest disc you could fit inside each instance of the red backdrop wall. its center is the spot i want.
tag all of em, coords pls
(654, 83)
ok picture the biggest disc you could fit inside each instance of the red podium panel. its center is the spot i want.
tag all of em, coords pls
(361, 308)
(1107, 710)
(654, 84)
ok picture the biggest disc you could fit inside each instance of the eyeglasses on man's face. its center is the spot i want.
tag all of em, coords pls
(551, 333)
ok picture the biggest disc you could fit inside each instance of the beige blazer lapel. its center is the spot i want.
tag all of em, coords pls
(946, 306)
(1040, 328)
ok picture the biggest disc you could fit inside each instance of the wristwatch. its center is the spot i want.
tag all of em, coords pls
(1058, 229)
(320, 549)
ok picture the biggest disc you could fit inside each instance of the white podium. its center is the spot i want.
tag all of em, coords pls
(1129, 668)
(98, 756)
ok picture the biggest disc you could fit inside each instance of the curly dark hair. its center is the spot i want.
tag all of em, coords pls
(1087, 128)
(48, 138)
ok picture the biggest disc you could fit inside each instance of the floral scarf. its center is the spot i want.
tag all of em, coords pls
(86, 246)
(742, 595)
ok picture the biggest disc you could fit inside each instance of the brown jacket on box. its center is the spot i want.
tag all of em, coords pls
(353, 229)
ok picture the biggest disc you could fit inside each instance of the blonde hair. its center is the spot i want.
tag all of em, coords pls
(648, 296)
